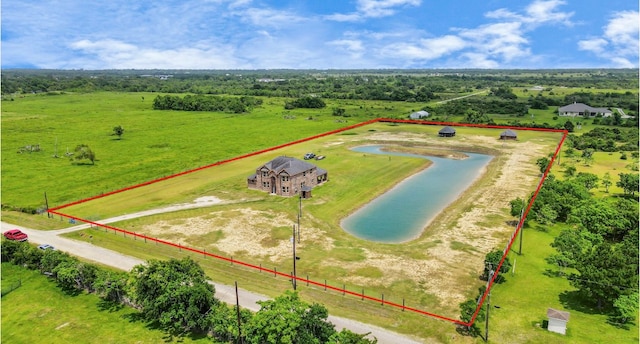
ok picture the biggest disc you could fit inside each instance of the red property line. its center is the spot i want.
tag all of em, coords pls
(519, 228)
(324, 285)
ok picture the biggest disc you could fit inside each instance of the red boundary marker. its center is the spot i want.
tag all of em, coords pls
(306, 280)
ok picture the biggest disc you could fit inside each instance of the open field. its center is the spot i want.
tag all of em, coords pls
(184, 143)
(39, 311)
(439, 269)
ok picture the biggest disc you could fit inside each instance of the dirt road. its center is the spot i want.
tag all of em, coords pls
(225, 293)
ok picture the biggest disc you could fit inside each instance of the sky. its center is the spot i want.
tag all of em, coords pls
(319, 34)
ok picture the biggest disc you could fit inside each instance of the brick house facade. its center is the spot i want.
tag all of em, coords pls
(286, 176)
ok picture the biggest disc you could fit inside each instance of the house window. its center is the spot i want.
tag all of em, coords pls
(265, 184)
(285, 189)
(304, 173)
(285, 178)
(264, 174)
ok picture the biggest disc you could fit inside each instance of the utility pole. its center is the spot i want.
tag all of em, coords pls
(293, 240)
(238, 315)
(46, 204)
(521, 228)
(486, 324)
(299, 215)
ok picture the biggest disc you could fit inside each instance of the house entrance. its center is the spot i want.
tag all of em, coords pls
(273, 185)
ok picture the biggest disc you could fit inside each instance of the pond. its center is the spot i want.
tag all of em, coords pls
(401, 214)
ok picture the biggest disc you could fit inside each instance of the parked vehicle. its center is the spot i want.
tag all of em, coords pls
(319, 157)
(309, 156)
(15, 234)
(45, 247)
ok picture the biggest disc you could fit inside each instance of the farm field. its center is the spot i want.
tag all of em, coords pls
(457, 239)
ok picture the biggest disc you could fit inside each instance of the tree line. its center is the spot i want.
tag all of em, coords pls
(206, 103)
(597, 251)
(176, 295)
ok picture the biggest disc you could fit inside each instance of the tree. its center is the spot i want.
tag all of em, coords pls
(517, 207)
(347, 337)
(569, 126)
(84, 152)
(175, 293)
(287, 319)
(605, 273)
(626, 308)
(606, 182)
(628, 182)
(543, 163)
(587, 155)
(118, 131)
(491, 261)
(570, 171)
(589, 180)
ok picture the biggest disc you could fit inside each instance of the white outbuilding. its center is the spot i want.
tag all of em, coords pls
(557, 320)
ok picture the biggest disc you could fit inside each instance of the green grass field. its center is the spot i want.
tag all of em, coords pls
(157, 144)
(39, 312)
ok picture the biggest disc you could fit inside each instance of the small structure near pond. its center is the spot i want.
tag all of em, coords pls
(508, 135)
(557, 320)
(447, 132)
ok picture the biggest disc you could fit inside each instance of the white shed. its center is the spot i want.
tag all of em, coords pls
(419, 114)
(557, 320)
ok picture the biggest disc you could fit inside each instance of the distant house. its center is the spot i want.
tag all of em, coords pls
(557, 320)
(508, 135)
(286, 176)
(447, 132)
(419, 115)
(583, 110)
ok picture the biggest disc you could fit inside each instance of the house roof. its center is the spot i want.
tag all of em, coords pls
(291, 166)
(580, 107)
(509, 133)
(447, 130)
(556, 314)
(419, 114)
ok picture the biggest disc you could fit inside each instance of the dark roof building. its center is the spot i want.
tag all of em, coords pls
(447, 132)
(286, 176)
(508, 135)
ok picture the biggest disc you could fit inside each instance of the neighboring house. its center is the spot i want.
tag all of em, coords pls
(419, 115)
(508, 135)
(583, 110)
(286, 176)
(447, 132)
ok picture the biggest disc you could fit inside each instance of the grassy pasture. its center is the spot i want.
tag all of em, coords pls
(39, 312)
(154, 144)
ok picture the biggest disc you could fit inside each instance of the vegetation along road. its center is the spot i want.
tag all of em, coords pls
(224, 292)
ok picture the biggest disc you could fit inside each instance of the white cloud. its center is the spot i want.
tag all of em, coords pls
(373, 9)
(426, 49)
(113, 54)
(538, 12)
(619, 41)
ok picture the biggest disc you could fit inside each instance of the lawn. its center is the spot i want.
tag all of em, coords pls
(524, 298)
(40, 312)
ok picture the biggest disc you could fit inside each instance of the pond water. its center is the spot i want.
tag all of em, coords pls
(402, 213)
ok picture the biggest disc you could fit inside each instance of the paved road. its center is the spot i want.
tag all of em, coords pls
(225, 293)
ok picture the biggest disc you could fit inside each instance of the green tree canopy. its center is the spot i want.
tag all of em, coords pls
(175, 293)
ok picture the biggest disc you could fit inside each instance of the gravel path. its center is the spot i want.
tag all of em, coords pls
(225, 293)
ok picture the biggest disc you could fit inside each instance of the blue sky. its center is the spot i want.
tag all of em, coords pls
(319, 34)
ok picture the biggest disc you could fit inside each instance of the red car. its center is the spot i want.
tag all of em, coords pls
(15, 234)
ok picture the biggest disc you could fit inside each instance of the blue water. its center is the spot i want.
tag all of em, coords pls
(402, 213)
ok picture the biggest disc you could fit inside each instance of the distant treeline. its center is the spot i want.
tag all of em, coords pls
(206, 103)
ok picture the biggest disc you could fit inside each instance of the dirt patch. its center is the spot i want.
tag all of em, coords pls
(244, 230)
